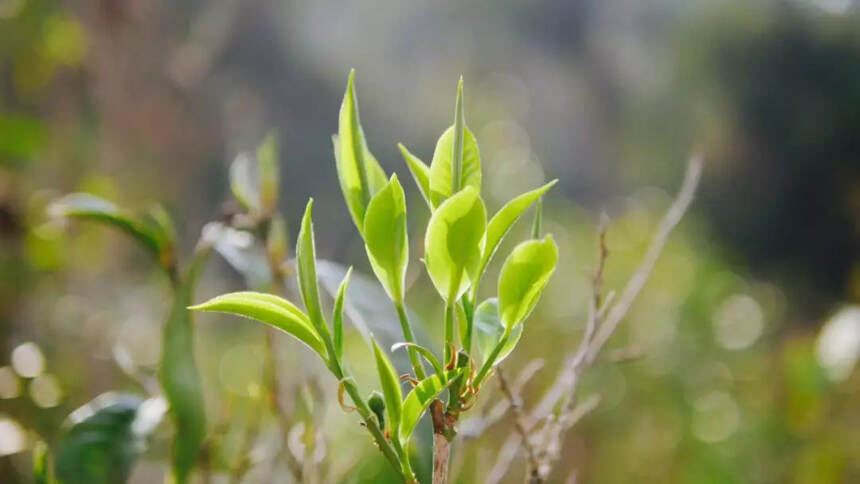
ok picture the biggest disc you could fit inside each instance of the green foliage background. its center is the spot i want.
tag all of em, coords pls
(143, 102)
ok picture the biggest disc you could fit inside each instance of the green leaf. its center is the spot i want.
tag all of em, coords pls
(420, 172)
(385, 238)
(267, 162)
(427, 354)
(441, 182)
(269, 309)
(90, 207)
(43, 469)
(180, 378)
(244, 182)
(523, 276)
(453, 242)
(419, 399)
(358, 171)
(505, 218)
(307, 273)
(337, 315)
(490, 330)
(390, 386)
(102, 440)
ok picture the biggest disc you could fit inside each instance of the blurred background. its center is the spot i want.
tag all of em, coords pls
(748, 332)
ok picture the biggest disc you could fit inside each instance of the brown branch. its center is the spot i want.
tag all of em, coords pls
(603, 319)
(517, 411)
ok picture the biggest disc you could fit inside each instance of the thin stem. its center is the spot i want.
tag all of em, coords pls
(441, 455)
(449, 331)
(414, 357)
(489, 363)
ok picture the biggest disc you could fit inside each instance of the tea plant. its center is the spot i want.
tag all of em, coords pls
(459, 243)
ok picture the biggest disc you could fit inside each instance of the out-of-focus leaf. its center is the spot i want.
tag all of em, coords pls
(490, 330)
(244, 182)
(241, 250)
(337, 315)
(420, 172)
(307, 272)
(90, 207)
(20, 138)
(419, 399)
(427, 354)
(101, 440)
(390, 386)
(386, 239)
(179, 376)
(358, 171)
(43, 472)
(504, 219)
(269, 309)
(453, 243)
(523, 277)
(267, 162)
(276, 240)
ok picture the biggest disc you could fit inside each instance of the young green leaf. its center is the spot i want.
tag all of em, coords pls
(420, 172)
(390, 385)
(427, 354)
(441, 177)
(90, 207)
(267, 163)
(268, 309)
(504, 219)
(453, 243)
(385, 238)
(307, 273)
(523, 276)
(358, 171)
(419, 399)
(490, 330)
(337, 315)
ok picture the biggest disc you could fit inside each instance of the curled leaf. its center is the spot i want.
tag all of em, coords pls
(390, 385)
(419, 399)
(385, 238)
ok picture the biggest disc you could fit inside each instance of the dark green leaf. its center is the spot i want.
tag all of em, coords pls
(180, 378)
(90, 207)
(102, 440)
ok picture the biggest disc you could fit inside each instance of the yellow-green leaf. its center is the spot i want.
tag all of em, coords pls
(490, 330)
(505, 218)
(523, 277)
(453, 243)
(440, 168)
(307, 272)
(420, 172)
(358, 171)
(337, 314)
(419, 399)
(390, 386)
(269, 309)
(385, 238)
